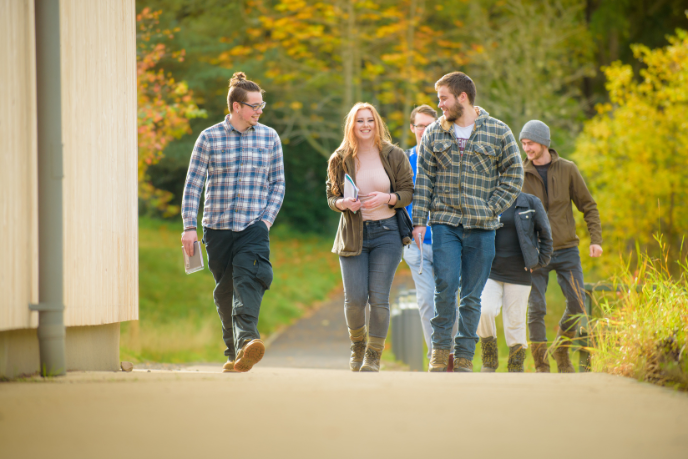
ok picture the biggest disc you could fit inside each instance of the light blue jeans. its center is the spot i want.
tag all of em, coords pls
(463, 259)
(368, 277)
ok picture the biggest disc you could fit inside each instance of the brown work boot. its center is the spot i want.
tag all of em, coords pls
(371, 361)
(462, 365)
(539, 351)
(249, 355)
(358, 346)
(517, 355)
(560, 351)
(229, 367)
(438, 360)
(489, 354)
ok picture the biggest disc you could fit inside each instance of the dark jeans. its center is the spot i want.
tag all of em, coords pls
(567, 264)
(240, 263)
(462, 259)
(368, 277)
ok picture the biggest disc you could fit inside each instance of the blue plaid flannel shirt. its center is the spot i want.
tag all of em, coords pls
(244, 173)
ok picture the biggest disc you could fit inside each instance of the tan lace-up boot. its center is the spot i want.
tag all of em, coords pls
(358, 346)
(439, 360)
(489, 354)
(250, 354)
(371, 361)
(463, 365)
(229, 367)
(560, 351)
(539, 351)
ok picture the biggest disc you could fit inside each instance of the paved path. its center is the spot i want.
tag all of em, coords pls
(320, 340)
(306, 413)
(282, 410)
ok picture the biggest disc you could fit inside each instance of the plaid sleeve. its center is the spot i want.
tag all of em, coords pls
(195, 178)
(425, 183)
(275, 182)
(510, 170)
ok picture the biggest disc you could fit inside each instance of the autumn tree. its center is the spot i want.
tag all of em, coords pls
(634, 152)
(164, 106)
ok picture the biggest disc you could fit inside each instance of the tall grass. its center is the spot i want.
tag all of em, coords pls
(178, 320)
(643, 330)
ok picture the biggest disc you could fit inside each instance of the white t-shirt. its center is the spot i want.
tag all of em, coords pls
(463, 134)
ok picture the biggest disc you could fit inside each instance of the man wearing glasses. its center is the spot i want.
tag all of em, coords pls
(241, 160)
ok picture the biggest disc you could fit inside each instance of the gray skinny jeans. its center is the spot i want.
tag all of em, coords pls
(368, 277)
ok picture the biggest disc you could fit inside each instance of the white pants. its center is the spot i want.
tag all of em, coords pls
(514, 298)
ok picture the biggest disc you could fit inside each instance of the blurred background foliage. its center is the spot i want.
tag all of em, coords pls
(608, 77)
(530, 59)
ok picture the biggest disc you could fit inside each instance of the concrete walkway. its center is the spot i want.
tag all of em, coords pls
(299, 402)
(305, 413)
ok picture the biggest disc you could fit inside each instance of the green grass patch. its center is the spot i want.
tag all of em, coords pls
(178, 320)
(643, 331)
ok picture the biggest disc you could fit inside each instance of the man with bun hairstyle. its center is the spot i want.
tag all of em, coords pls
(240, 161)
(557, 182)
(469, 172)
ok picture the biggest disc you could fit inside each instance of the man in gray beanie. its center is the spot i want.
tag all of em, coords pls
(557, 182)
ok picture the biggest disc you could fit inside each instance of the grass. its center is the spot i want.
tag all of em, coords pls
(178, 320)
(643, 331)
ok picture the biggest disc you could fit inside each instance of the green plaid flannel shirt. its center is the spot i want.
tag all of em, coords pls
(470, 189)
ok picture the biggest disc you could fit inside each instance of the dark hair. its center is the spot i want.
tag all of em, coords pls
(238, 87)
(458, 82)
(425, 110)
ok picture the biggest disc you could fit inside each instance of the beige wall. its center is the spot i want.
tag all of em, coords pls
(18, 172)
(98, 49)
(100, 161)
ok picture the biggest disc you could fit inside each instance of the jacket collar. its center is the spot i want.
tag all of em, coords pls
(522, 200)
(528, 165)
(482, 117)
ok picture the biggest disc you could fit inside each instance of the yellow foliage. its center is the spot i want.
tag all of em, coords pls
(634, 152)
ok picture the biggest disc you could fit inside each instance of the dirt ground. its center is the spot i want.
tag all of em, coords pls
(299, 403)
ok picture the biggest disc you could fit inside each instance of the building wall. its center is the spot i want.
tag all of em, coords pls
(100, 161)
(98, 76)
(18, 170)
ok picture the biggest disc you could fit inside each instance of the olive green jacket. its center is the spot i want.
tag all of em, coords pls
(565, 184)
(349, 239)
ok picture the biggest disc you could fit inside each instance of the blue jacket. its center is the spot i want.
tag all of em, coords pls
(413, 159)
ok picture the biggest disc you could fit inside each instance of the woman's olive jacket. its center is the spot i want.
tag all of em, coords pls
(349, 239)
(534, 233)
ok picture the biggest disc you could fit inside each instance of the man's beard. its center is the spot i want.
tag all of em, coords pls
(539, 154)
(455, 112)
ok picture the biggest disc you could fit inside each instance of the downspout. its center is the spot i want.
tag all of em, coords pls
(51, 329)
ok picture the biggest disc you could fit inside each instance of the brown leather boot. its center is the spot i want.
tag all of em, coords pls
(489, 354)
(358, 346)
(438, 360)
(539, 351)
(560, 351)
(463, 365)
(517, 355)
(250, 354)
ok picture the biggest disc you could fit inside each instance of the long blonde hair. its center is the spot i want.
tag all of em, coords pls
(349, 145)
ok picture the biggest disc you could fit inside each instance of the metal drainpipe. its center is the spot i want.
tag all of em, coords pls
(51, 329)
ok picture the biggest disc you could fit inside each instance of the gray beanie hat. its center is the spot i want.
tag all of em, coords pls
(537, 131)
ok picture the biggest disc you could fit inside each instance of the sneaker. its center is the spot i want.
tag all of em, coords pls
(462, 365)
(249, 355)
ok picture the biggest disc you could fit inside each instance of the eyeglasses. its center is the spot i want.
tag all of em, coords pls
(420, 126)
(256, 107)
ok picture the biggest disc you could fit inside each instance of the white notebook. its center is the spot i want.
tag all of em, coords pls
(195, 262)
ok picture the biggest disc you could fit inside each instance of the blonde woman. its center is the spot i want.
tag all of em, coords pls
(368, 241)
